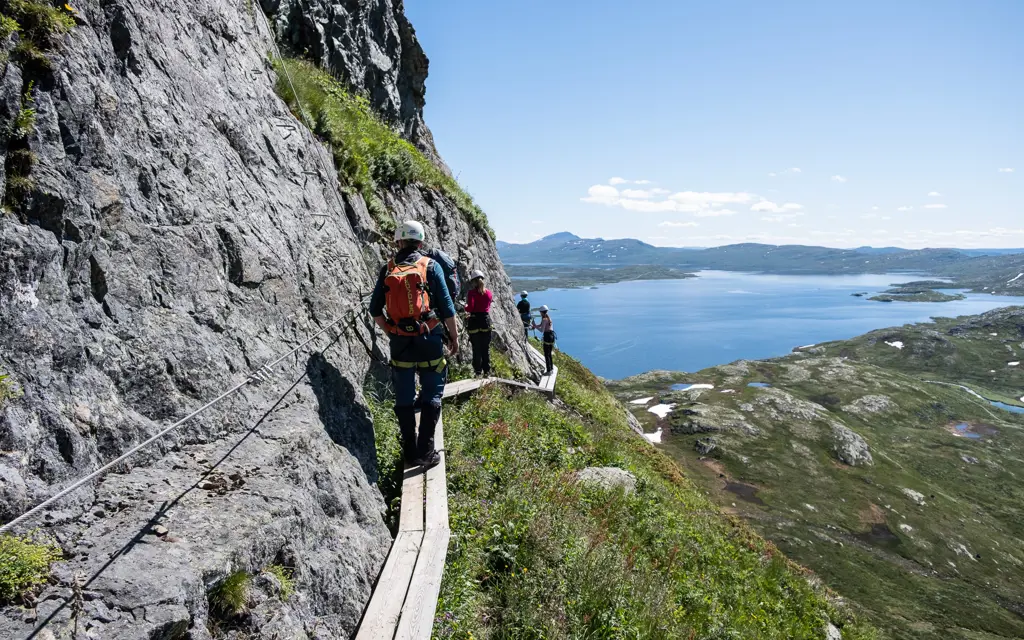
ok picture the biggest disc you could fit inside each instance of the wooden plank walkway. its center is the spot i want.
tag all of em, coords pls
(404, 599)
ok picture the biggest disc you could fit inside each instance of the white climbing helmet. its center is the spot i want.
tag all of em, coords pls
(523, 294)
(543, 308)
(410, 230)
(473, 275)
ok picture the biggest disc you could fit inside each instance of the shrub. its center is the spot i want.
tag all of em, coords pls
(7, 26)
(367, 153)
(39, 22)
(24, 565)
(231, 596)
(284, 576)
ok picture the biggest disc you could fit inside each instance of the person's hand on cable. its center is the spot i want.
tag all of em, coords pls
(453, 336)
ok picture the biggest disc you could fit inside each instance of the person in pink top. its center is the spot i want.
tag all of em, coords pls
(478, 325)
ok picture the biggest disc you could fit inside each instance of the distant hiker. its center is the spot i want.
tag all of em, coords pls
(411, 288)
(547, 327)
(523, 306)
(478, 325)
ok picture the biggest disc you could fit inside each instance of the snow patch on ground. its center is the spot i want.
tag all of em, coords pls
(807, 346)
(1019, 275)
(662, 410)
(895, 343)
(810, 507)
(654, 438)
(728, 391)
(641, 400)
(1013, 364)
(906, 527)
(993, 334)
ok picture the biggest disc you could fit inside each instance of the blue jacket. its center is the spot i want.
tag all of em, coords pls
(440, 299)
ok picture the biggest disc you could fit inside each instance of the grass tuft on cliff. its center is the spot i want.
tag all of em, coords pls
(369, 155)
(24, 565)
(534, 554)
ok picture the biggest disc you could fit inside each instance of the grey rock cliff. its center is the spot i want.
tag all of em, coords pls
(167, 250)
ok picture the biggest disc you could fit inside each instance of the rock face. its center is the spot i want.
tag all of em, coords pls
(849, 447)
(607, 478)
(167, 250)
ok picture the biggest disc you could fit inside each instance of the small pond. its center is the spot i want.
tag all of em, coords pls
(758, 385)
(964, 429)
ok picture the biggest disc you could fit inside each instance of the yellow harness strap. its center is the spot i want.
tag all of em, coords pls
(437, 365)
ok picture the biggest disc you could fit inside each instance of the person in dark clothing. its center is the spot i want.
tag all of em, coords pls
(478, 325)
(523, 306)
(546, 327)
(411, 289)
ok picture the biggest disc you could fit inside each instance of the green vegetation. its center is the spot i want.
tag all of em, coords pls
(535, 554)
(926, 540)
(918, 292)
(9, 390)
(285, 577)
(539, 278)
(24, 565)
(369, 155)
(230, 598)
(389, 450)
(501, 367)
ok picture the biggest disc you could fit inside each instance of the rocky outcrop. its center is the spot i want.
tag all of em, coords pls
(849, 446)
(372, 48)
(607, 478)
(182, 230)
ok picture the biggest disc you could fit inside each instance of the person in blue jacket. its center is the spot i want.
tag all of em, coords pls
(411, 288)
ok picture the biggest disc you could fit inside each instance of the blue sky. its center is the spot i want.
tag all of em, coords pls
(705, 123)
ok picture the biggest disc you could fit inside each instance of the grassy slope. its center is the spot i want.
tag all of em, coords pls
(535, 555)
(958, 570)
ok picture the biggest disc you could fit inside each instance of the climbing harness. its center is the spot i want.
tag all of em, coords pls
(437, 365)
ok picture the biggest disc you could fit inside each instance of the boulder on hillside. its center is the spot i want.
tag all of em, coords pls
(849, 447)
(704, 446)
(869, 405)
(703, 418)
(607, 478)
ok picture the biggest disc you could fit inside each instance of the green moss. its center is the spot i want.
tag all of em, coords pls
(535, 555)
(24, 562)
(368, 153)
(9, 389)
(285, 577)
(231, 596)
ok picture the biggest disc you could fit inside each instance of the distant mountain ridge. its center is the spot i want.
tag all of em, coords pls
(570, 249)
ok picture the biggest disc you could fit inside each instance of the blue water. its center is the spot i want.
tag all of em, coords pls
(758, 385)
(1007, 407)
(963, 428)
(627, 328)
(682, 386)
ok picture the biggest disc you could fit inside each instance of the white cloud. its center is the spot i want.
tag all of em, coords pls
(934, 194)
(641, 182)
(905, 209)
(790, 171)
(710, 213)
(602, 194)
(693, 201)
(618, 181)
(874, 208)
(1006, 170)
(770, 207)
(637, 193)
(781, 217)
(838, 178)
(668, 223)
(934, 206)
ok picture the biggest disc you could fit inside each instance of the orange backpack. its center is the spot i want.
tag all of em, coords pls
(407, 298)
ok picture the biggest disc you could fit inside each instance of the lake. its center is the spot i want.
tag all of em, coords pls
(626, 328)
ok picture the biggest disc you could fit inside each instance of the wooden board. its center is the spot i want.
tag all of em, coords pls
(417, 619)
(382, 613)
(437, 485)
(413, 488)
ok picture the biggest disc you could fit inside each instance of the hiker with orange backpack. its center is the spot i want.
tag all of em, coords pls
(411, 289)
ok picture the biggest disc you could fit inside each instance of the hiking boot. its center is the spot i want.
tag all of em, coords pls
(429, 460)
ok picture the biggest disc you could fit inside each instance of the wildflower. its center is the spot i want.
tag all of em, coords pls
(70, 8)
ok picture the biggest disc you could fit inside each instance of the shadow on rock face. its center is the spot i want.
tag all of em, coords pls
(346, 421)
